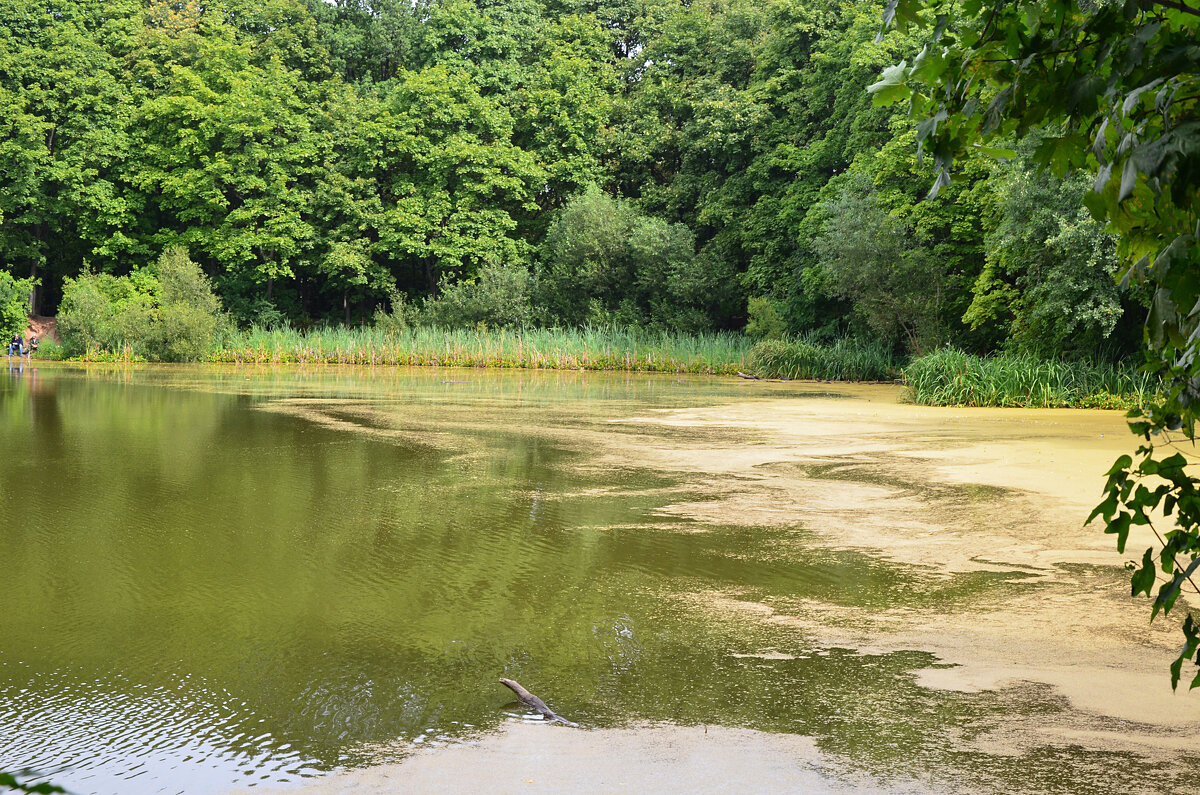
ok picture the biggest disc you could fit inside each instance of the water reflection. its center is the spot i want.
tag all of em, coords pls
(216, 577)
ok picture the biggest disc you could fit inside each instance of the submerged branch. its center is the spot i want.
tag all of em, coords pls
(534, 703)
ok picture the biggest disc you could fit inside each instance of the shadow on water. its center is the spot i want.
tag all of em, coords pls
(203, 589)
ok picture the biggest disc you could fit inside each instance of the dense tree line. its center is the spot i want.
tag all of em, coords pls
(701, 165)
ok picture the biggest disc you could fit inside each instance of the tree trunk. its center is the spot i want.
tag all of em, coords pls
(40, 236)
(34, 303)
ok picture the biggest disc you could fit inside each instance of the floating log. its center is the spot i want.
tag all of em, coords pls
(534, 703)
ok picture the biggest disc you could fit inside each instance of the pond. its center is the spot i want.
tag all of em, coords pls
(217, 578)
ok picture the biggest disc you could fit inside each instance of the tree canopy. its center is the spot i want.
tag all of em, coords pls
(646, 162)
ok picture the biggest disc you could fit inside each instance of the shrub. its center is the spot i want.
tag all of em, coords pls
(14, 304)
(102, 312)
(400, 318)
(189, 314)
(499, 297)
(166, 313)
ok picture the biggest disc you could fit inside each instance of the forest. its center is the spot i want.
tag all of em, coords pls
(678, 167)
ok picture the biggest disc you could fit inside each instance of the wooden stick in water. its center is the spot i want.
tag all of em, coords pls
(534, 703)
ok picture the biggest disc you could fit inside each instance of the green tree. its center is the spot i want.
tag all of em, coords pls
(14, 305)
(224, 155)
(367, 42)
(738, 116)
(874, 260)
(1048, 282)
(65, 107)
(1121, 82)
(442, 177)
(604, 261)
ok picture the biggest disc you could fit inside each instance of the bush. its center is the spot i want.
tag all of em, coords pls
(189, 314)
(766, 321)
(400, 318)
(50, 350)
(165, 313)
(499, 297)
(101, 312)
(14, 305)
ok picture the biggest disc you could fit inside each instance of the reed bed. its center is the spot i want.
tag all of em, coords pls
(953, 378)
(844, 359)
(559, 349)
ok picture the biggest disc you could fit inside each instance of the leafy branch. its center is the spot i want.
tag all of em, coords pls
(10, 781)
(1132, 495)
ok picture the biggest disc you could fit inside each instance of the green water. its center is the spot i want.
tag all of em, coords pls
(215, 578)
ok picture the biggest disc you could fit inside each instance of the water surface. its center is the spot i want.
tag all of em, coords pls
(225, 577)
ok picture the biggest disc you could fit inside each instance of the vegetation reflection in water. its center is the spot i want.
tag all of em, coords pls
(209, 581)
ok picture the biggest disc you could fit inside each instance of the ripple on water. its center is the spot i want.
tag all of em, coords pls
(125, 738)
(214, 594)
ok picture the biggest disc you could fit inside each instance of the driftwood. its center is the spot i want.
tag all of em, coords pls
(534, 703)
(749, 377)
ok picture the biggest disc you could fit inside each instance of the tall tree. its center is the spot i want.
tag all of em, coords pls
(63, 137)
(439, 158)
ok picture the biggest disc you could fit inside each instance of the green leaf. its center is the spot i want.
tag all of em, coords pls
(1129, 174)
(1122, 463)
(1095, 204)
(889, 94)
(997, 152)
(1170, 590)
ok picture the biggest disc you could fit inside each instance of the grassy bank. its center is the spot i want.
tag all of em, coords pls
(561, 349)
(946, 377)
(842, 360)
(953, 378)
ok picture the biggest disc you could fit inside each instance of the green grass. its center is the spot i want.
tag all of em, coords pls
(947, 377)
(842, 360)
(952, 378)
(560, 349)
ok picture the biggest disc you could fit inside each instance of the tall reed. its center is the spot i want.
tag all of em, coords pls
(594, 348)
(951, 377)
(844, 359)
